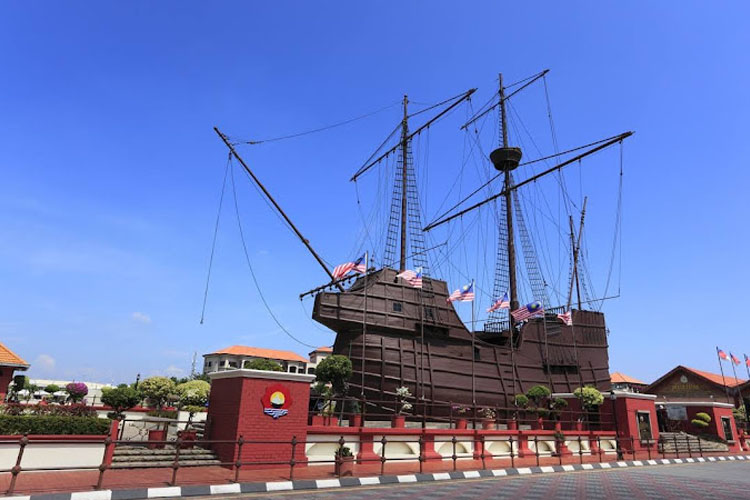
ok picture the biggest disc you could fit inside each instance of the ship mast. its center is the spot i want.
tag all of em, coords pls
(506, 159)
(404, 174)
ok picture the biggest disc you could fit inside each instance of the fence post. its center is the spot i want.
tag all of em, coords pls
(482, 456)
(599, 445)
(176, 463)
(632, 446)
(383, 442)
(676, 450)
(536, 449)
(700, 447)
(512, 453)
(421, 452)
(16, 470)
(103, 465)
(580, 449)
(238, 462)
(454, 457)
(649, 443)
(690, 452)
(292, 461)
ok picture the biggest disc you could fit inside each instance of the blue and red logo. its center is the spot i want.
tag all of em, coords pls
(276, 401)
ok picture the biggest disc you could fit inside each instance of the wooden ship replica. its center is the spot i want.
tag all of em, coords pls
(398, 335)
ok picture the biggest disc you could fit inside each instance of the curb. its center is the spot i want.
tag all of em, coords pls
(321, 484)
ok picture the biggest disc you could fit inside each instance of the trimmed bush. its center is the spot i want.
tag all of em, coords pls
(52, 424)
(521, 401)
(705, 417)
(76, 391)
(163, 414)
(263, 364)
(701, 424)
(157, 390)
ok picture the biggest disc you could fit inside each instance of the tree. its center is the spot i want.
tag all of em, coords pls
(193, 396)
(157, 390)
(335, 370)
(590, 397)
(76, 391)
(262, 364)
(120, 399)
(52, 388)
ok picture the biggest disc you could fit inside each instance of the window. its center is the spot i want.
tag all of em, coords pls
(477, 355)
(397, 307)
(311, 371)
(292, 369)
(726, 424)
(644, 425)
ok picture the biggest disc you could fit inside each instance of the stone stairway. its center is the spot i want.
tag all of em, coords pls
(139, 456)
(684, 444)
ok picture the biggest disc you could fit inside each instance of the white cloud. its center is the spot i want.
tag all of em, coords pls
(45, 363)
(174, 371)
(141, 317)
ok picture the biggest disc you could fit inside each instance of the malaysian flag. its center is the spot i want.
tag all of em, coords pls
(358, 266)
(503, 303)
(528, 311)
(734, 359)
(566, 318)
(463, 294)
(414, 278)
(747, 361)
(722, 354)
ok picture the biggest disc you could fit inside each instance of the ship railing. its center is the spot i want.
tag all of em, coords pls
(345, 412)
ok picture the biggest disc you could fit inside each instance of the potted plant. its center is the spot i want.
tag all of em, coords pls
(403, 395)
(556, 408)
(192, 397)
(157, 390)
(334, 372)
(461, 422)
(326, 406)
(76, 391)
(591, 400)
(488, 419)
(520, 402)
(344, 462)
(355, 415)
(121, 399)
(560, 447)
(539, 399)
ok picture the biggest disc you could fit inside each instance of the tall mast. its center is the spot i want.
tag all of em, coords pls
(507, 168)
(404, 173)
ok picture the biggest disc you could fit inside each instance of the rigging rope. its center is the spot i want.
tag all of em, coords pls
(252, 271)
(216, 232)
(320, 129)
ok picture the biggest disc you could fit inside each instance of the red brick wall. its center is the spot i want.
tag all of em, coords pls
(235, 410)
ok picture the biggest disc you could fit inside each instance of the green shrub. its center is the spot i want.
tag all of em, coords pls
(163, 414)
(590, 397)
(157, 390)
(538, 393)
(521, 401)
(121, 398)
(701, 424)
(263, 364)
(52, 424)
(52, 388)
(705, 417)
(336, 370)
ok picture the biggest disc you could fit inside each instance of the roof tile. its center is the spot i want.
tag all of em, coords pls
(259, 352)
(10, 358)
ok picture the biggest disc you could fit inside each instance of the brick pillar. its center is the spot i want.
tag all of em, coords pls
(259, 406)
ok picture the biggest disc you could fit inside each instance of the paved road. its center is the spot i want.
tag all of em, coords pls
(715, 481)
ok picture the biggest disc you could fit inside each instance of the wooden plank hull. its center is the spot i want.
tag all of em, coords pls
(414, 338)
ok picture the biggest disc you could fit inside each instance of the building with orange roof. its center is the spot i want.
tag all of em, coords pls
(622, 382)
(687, 384)
(9, 363)
(237, 356)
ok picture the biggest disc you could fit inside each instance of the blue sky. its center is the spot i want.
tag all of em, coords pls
(110, 171)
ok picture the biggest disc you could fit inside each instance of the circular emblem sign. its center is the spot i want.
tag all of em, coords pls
(683, 379)
(276, 401)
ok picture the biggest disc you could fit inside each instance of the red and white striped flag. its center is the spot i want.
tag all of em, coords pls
(502, 303)
(734, 359)
(747, 361)
(414, 278)
(463, 294)
(566, 318)
(722, 355)
(358, 266)
(528, 311)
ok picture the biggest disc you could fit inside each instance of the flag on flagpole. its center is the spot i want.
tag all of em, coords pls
(722, 354)
(566, 318)
(414, 278)
(463, 294)
(528, 311)
(358, 266)
(747, 361)
(734, 359)
(502, 303)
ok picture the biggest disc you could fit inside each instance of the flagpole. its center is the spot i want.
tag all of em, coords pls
(731, 360)
(421, 342)
(726, 389)
(546, 348)
(473, 356)
(364, 327)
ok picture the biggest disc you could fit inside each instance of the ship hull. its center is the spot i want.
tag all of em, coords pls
(420, 343)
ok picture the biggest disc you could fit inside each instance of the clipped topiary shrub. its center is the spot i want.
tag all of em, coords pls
(705, 417)
(701, 424)
(53, 424)
(263, 364)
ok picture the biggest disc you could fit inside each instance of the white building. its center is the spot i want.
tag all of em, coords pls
(236, 356)
(93, 398)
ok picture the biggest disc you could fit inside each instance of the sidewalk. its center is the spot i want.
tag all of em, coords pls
(32, 483)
